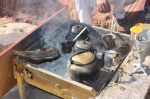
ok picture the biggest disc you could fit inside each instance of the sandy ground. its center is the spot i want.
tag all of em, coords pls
(31, 93)
(11, 31)
(129, 86)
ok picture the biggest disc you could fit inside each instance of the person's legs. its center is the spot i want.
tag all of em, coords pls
(119, 7)
(84, 10)
(127, 2)
(119, 10)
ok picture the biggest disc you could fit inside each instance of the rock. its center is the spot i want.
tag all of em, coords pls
(11, 32)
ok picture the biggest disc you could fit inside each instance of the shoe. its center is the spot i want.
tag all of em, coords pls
(122, 22)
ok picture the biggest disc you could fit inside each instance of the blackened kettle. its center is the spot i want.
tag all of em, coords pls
(84, 67)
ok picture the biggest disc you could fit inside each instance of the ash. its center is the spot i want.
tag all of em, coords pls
(54, 39)
(59, 66)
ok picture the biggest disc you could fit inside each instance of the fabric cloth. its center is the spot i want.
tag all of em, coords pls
(85, 8)
(119, 7)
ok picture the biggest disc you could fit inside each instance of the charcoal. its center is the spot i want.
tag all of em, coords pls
(123, 49)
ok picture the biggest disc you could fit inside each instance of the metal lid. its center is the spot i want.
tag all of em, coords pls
(83, 58)
(76, 29)
(83, 44)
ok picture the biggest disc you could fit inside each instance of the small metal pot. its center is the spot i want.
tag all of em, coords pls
(83, 45)
(109, 41)
(74, 31)
(66, 47)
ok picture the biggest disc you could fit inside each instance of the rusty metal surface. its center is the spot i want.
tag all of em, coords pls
(51, 82)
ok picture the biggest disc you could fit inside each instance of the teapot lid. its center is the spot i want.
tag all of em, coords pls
(83, 58)
(83, 44)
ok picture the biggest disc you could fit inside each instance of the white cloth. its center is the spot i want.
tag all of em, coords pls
(85, 8)
(118, 8)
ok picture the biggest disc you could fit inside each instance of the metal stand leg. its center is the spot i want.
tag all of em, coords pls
(21, 86)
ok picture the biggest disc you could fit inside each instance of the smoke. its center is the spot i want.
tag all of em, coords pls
(40, 9)
(34, 12)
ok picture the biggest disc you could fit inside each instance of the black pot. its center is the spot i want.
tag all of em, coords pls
(74, 31)
(67, 47)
